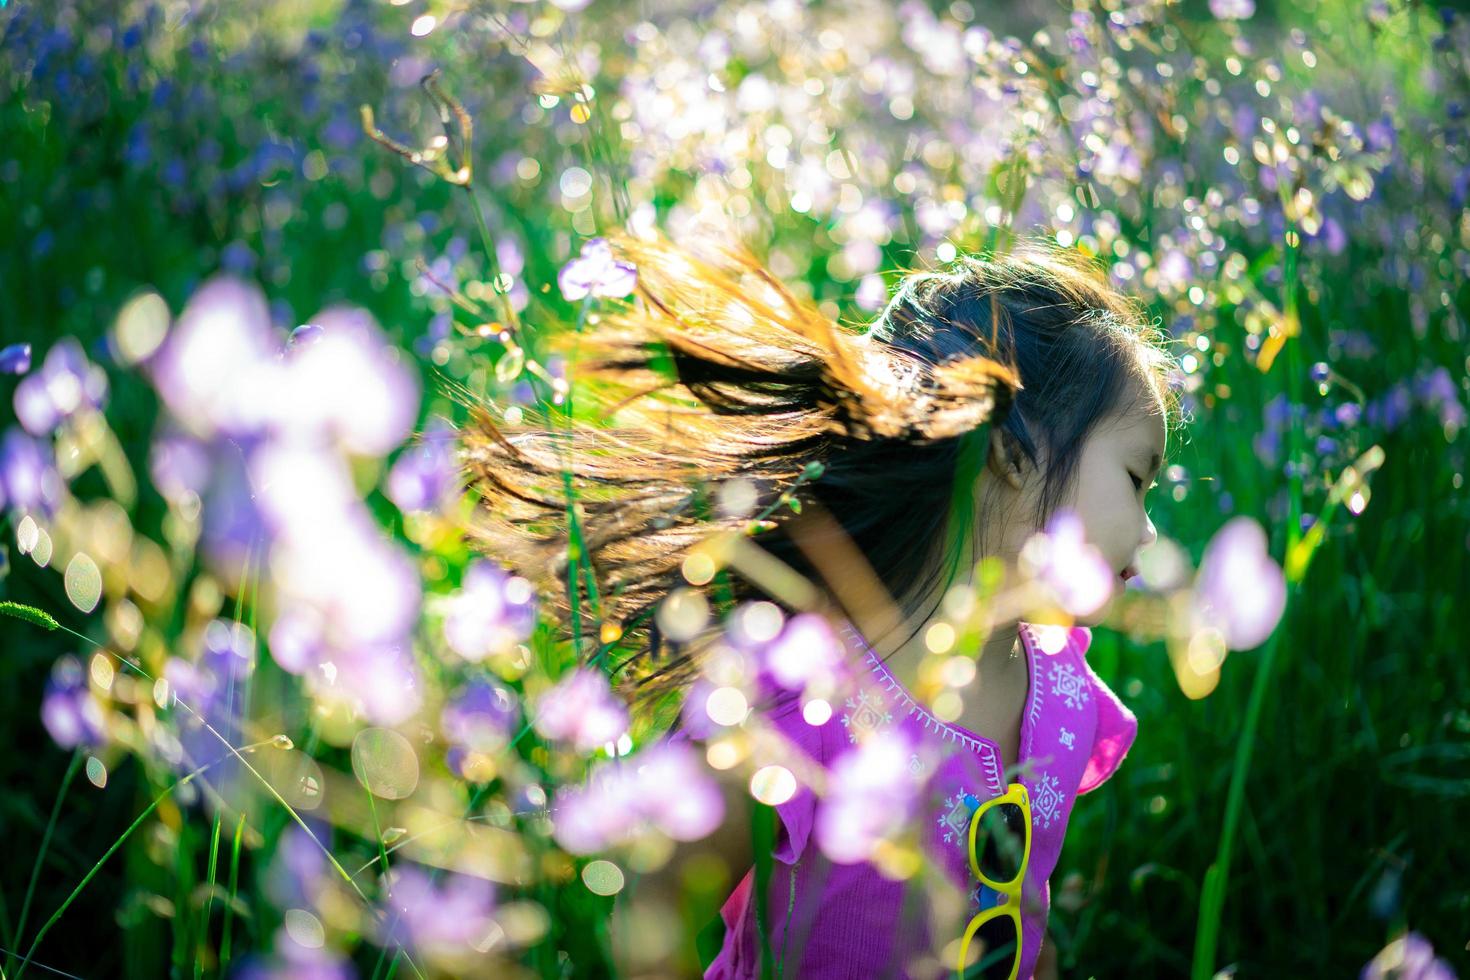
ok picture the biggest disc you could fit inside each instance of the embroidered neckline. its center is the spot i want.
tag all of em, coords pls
(986, 748)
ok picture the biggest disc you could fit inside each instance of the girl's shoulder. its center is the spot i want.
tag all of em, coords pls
(1114, 725)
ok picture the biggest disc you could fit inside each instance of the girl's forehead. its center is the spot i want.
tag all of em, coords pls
(1141, 421)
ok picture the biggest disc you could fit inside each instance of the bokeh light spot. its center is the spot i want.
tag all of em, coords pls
(83, 582)
(773, 785)
(385, 763)
(602, 877)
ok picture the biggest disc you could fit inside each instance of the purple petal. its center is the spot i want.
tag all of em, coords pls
(15, 359)
(1240, 589)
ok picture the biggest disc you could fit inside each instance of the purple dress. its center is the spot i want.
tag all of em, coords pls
(848, 919)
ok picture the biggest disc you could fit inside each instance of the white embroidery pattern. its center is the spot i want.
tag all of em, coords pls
(954, 819)
(1046, 802)
(916, 765)
(865, 715)
(1068, 737)
(1066, 682)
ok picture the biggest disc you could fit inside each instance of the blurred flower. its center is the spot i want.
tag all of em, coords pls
(872, 293)
(216, 371)
(870, 794)
(347, 387)
(1073, 570)
(1232, 9)
(28, 476)
(806, 651)
(380, 682)
(69, 711)
(664, 787)
(15, 359)
(477, 720)
(581, 709)
(65, 383)
(596, 272)
(425, 476)
(212, 687)
(492, 611)
(328, 552)
(1409, 957)
(294, 961)
(179, 465)
(443, 918)
(298, 871)
(1240, 590)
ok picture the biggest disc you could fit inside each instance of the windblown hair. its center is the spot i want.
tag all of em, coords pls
(716, 372)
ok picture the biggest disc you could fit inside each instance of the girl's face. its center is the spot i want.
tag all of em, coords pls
(1117, 467)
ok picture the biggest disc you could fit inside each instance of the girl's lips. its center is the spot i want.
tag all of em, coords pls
(1128, 573)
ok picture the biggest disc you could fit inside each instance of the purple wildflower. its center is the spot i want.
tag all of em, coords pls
(807, 652)
(870, 795)
(69, 711)
(1068, 566)
(1232, 9)
(492, 612)
(1240, 590)
(15, 359)
(477, 720)
(664, 787)
(437, 919)
(28, 476)
(581, 709)
(425, 476)
(1409, 957)
(595, 272)
(66, 383)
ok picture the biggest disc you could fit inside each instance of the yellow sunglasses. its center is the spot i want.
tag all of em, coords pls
(999, 853)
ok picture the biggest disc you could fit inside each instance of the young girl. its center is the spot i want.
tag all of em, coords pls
(982, 402)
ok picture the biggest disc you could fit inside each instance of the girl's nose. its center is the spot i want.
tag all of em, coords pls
(1150, 533)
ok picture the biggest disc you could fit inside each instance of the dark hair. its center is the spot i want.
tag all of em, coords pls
(717, 373)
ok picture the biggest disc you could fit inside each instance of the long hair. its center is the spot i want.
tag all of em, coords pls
(718, 374)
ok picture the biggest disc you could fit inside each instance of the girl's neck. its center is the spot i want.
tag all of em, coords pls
(999, 658)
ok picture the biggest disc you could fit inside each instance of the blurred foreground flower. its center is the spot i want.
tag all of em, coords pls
(1240, 590)
(1068, 566)
(423, 478)
(870, 794)
(15, 359)
(665, 787)
(66, 383)
(69, 710)
(440, 919)
(477, 722)
(1409, 957)
(582, 710)
(29, 480)
(595, 271)
(294, 961)
(492, 612)
(264, 428)
(806, 654)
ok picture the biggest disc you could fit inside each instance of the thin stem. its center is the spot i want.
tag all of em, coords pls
(55, 916)
(1217, 877)
(224, 943)
(331, 858)
(208, 894)
(25, 905)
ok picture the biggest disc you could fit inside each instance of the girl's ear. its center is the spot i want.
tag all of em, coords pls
(1006, 459)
